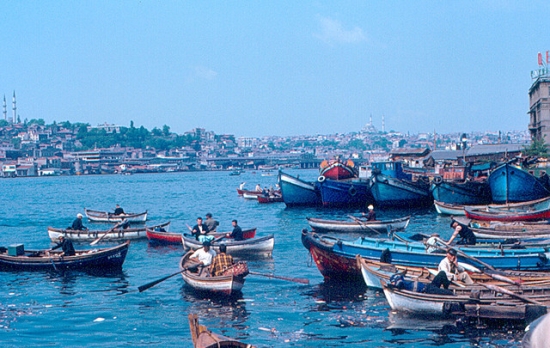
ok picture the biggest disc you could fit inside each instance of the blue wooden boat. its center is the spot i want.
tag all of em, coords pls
(297, 192)
(392, 186)
(348, 192)
(510, 183)
(335, 258)
(461, 192)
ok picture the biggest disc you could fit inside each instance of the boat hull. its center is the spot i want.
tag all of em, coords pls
(111, 236)
(297, 192)
(32, 260)
(344, 193)
(103, 216)
(223, 285)
(512, 184)
(393, 192)
(262, 246)
(369, 227)
(461, 193)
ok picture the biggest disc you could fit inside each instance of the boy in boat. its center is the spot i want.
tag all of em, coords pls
(221, 262)
(65, 245)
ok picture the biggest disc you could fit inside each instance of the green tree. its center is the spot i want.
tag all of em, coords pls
(537, 148)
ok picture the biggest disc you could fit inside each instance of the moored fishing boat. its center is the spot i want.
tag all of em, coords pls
(259, 246)
(30, 260)
(336, 169)
(117, 234)
(162, 237)
(297, 192)
(511, 183)
(466, 192)
(104, 216)
(344, 193)
(358, 225)
(204, 338)
(394, 192)
(449, 209)
(202, 281)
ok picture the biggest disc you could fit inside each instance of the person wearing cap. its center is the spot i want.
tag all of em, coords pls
(221, 262)
(371, 215)
(65, 245)
(204, 255)
(77, 223)
(452, 269)
(200, 229)
(118, 210)
(467, 237)
(211, 223)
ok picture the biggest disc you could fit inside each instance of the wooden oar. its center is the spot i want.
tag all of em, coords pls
(106, 233)
(296, 280)
(513, 294)
(362, 224)
(434, 273)
(153, 283)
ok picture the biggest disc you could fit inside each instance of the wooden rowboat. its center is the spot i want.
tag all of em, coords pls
(202, 281)
(505, 230)
(525, 211)
(103, 216)
(119, 234)
(262, 246)
(359, 226)
(374, 272)
(203, 338)
(481, 304)
(269, 199)
(30, 260)
(158, 237)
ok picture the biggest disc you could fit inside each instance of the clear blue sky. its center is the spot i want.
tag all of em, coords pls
(254, 68)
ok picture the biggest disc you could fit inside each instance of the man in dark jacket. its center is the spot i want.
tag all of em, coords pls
(65, 245)
(199, 229)
(77, 223)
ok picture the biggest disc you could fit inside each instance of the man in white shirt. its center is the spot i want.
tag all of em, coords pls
(452, 269)
(204, 255)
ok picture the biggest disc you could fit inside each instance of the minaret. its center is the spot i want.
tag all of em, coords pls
(14, 119)
(5, 109)
(383, 123)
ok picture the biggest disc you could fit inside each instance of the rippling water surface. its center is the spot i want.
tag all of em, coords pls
(106, 310)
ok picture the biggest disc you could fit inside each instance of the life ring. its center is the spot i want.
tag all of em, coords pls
(352, 191)
(438, 180)
(321, 178)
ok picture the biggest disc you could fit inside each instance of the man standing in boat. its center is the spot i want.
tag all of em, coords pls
(77, 223)
(467, 237)
(211, 223)
(199, 229)
(65, 245)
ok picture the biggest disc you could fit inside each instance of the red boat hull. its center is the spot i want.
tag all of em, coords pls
(337, 170)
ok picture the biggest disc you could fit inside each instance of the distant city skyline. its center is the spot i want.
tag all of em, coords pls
(265, 68)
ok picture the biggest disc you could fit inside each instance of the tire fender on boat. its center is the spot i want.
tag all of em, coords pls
(352, 191)
(437, 180)
(321, 178)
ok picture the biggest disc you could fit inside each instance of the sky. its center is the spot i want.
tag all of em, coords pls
(258, 68)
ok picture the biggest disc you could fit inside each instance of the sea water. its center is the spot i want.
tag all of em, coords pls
(97, 309)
